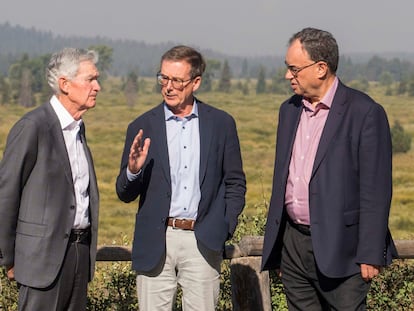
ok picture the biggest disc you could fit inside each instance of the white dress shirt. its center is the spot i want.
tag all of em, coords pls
(78, 162)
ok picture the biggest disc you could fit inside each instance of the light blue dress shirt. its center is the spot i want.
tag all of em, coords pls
(183, 139)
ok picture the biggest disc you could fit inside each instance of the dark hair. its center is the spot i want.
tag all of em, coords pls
(188, 54)
(320, 45)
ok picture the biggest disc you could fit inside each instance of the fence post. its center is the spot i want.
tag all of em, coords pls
(250, 287)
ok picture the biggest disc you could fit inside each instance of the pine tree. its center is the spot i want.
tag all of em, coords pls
(225, 78)
(261, 81)
(131, 88)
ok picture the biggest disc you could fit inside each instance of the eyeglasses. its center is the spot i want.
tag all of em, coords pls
(295, 70)
(176, 82)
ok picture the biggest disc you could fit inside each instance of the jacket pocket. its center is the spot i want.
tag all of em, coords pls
(351, 218)
(31, 229)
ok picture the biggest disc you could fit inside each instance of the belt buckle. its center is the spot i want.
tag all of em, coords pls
(173, 223)
(79, 237)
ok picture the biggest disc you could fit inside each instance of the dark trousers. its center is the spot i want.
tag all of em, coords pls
(307, 289)
(68, 292)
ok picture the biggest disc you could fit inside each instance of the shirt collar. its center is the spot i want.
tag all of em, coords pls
(327, 99)
(169, 115)
(67, 122)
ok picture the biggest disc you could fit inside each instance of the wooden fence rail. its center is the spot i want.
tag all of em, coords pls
(250, 287)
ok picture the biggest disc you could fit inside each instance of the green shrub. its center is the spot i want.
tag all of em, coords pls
(393, 289)
(8, 293)
(114, 286)
(401, 141)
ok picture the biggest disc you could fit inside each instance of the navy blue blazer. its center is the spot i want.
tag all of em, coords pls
(350, 187)
(222, 183)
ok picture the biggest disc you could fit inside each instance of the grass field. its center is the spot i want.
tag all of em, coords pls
(256, 117)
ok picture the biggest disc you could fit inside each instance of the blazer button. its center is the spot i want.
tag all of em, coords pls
(72, 207)
(66, 235)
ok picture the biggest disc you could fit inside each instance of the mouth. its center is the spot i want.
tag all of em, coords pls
(169, 95)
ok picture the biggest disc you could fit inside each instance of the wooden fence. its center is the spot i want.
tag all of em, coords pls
(250, 287)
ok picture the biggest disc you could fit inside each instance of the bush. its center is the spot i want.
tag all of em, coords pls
(114, 286)
(393, 289)
(401, 141)
(8, 293)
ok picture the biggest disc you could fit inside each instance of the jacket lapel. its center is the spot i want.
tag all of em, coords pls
(58, 141)
(205, 129)
(333, 122)
(287, 128)
(160, 145)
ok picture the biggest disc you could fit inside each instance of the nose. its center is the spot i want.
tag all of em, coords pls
(97, 86)
(289, 75)
(169, 85)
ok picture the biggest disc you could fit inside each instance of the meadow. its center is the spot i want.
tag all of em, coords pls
(256, 118)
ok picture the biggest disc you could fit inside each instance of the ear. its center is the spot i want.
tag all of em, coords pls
(196, 83)
(323, 69)
(63, 85)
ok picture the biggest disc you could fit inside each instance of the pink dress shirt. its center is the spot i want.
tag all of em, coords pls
(312, 122)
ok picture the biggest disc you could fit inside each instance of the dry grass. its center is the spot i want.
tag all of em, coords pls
(256, 118)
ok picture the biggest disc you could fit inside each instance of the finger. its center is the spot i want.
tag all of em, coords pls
(364, 273)
(136, 143)
(147, 143)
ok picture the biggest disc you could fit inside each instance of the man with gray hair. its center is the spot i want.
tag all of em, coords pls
(48, 191)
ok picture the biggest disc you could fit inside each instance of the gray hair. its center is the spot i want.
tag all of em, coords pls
(65, 63)
(320, 45)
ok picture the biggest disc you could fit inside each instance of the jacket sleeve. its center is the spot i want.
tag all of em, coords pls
(234, 177)
(18, 161)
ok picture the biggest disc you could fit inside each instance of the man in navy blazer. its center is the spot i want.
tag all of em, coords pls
(327, 227)
(182, 159)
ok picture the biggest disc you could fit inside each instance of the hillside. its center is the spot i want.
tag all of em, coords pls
(128, 54)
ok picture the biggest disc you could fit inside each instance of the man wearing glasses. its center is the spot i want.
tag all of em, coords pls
(182, 159)
(327, 227)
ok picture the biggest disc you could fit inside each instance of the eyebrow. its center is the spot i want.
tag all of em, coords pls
(171, 78)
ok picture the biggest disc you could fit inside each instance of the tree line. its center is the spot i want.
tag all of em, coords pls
(25, 77)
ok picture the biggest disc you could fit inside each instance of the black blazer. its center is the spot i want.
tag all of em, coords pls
(222, 183)
(350, 187)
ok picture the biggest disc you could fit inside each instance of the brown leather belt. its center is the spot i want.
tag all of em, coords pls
(178, 223)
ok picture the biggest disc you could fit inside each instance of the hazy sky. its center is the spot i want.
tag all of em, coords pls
(236, 27)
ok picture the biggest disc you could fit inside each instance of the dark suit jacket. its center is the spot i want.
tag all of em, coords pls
(37, 199)
(350, 187)
(222, 184)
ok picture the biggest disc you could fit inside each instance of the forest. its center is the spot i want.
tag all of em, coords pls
(143, 58)
(25, 53)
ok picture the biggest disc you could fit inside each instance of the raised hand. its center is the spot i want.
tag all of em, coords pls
(138, 152)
